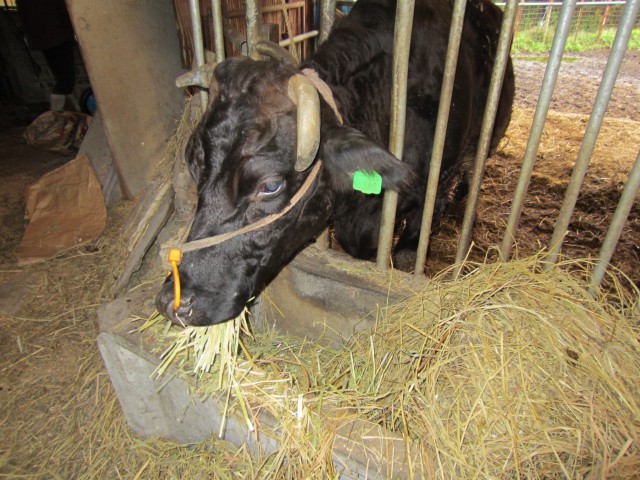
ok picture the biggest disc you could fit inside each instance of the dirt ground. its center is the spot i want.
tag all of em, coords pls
(578, 81)
(616, 149)
(59, 415)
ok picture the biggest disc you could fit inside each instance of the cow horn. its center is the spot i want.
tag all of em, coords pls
(200, 77)
(302, 92)
(275, 51)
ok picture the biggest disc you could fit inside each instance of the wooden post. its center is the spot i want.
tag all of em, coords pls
(575, 35)
(547, 21)
(603, 24)
(518, 18)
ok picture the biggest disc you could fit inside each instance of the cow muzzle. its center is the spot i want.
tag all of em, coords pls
(183, 312)
(198, 307)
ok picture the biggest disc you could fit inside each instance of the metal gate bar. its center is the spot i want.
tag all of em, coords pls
(198, 45)
(503, 51)
(620, 216)
(327, 17)
(539, 118)
(593, 127)
(253, 18)
(218, 33)
(455, 34)
(298, 38)
(400, 72)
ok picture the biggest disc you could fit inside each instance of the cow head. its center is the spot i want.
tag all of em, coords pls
(248, 158)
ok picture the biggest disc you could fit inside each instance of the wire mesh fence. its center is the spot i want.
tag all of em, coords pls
(593, 26)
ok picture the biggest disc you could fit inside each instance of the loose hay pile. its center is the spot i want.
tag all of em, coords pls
(510, 371)
(514, 372)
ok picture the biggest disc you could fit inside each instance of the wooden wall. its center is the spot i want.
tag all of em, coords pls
(299, 13)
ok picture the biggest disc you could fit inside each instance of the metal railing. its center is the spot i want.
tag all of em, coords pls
(628, 20)
(566, 17)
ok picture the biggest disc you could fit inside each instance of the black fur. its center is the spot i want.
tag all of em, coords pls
(244, 147)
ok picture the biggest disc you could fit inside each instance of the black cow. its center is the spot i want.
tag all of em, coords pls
(249, 157)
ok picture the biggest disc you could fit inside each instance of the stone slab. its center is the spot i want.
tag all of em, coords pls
(327, 295)
(96, 146)
(164, 407)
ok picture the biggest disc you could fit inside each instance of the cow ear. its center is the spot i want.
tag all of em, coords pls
(194, 154)
(347, 151)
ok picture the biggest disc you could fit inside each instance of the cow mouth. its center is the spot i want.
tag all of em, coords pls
(197, 309)
(182, 316)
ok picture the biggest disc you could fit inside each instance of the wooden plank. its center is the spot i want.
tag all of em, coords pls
(151, 213)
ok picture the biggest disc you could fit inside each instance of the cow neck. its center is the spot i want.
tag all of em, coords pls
(223, 237)
(323, 90)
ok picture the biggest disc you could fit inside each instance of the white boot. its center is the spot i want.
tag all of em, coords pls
(57, 102)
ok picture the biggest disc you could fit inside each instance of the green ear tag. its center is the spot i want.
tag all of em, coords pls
(367, 182)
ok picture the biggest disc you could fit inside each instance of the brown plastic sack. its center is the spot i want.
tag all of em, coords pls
(65, 209)
(60, 132)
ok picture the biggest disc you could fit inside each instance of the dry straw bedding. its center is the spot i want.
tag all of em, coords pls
(516, 372)
(508, 371)
(505, 373)
(511, 371)
(60, 418)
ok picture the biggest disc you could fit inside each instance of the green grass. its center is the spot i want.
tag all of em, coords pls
(533, 41)
(543, 58)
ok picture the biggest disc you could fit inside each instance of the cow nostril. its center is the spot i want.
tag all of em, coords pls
(186, 304)
(187, 301)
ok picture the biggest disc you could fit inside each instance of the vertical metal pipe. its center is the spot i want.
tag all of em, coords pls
(327, 17)
(401, 47)
(620, 216)
(455, 33)
(486, 132)
(593, 128)
(198, 45)
(253, 27)
(218, 32)
(542, 109)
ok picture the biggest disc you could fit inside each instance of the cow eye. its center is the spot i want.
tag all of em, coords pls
(270, 188)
